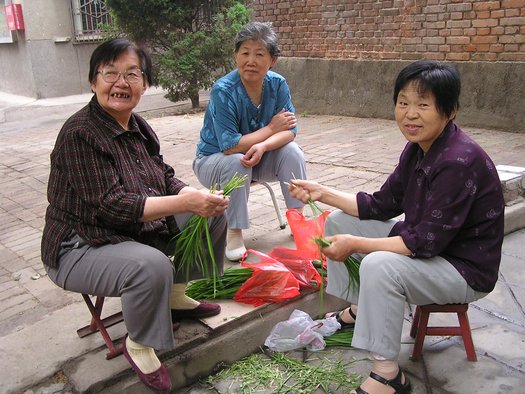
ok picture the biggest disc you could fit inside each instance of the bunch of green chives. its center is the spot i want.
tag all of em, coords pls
(190, 248)
(316, 210)
(340, 338)
(351, 263)
(224, 287)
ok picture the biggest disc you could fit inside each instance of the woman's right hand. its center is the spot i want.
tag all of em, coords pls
(304, 190)
(283, 121)
(204, 203)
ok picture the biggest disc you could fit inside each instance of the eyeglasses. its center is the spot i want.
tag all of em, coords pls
(130, 76)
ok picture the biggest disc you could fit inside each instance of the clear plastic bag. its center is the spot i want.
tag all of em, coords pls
(301, 331)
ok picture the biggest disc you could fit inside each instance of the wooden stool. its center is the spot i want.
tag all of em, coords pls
(99, 324)
(419, 327)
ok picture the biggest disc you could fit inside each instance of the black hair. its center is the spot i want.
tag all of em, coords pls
(440, 79)
(259, 31)
(110, 50)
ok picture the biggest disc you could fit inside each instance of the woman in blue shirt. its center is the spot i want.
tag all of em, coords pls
(249, 129)
(447, 247)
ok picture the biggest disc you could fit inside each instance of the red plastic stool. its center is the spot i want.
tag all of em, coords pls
(99, 324)
(420, 327)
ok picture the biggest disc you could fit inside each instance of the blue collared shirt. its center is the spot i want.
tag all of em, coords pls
(231, 114)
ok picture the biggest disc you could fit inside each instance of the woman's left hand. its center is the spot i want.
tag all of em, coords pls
(283, 121)
(253, 156)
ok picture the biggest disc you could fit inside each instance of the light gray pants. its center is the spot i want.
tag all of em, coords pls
(141, 275)
(278, 164)
(387, 281)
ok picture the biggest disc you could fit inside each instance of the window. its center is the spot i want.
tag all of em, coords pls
(6, 36)
(88, 17)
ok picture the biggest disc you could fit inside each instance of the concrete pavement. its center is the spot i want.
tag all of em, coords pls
(40, 351)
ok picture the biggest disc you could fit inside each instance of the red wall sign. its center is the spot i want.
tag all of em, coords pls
(15, 19)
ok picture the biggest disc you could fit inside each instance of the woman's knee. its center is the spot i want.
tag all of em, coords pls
(376, 267)
(338, 222)
(292, 152)
(220, 168)
(231, 164)
(153, 270)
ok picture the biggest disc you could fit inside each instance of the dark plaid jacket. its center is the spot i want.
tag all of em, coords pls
(100, 178)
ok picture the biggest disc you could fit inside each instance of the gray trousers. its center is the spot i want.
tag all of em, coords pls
(141, 275)
(280, 164)
(387, 281)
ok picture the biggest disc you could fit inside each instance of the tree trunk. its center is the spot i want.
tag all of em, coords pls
(194, 97)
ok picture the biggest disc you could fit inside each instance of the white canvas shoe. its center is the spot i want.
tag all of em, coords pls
(235, 254)
(234, 245)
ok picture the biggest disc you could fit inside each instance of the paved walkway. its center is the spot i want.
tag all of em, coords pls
(39, 349)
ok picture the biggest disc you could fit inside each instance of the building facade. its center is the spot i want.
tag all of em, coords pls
(339, 56)
(342, 56)
(49, 56)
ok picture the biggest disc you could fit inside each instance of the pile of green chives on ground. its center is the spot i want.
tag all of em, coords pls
(280, 373)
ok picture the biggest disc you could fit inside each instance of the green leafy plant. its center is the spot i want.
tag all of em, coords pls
(191, 41)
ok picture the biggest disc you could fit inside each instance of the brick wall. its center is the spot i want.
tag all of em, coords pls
(453, 30)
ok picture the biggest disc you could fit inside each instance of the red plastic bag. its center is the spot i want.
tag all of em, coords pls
(271, 281)
(300, 266)
(304, 229)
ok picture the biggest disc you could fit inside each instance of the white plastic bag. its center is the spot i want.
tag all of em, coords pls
(301, 331)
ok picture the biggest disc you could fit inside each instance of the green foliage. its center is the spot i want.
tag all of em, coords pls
(191, 41)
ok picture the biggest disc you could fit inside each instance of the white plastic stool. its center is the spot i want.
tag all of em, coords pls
(282, 222)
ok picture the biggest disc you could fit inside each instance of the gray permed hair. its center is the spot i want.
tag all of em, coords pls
(259, 31)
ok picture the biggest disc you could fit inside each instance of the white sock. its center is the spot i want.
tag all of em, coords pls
(234, 239)
(144, 357)
(179, 299)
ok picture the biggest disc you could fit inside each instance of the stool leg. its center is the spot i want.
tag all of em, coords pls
(420, 336)
(466, 333)
(415, 322)
(282, 223)
(100, 324)
(99, 304)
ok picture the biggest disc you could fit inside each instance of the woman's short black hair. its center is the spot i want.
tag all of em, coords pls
(259, 31)
(440, 79)
(109, 51)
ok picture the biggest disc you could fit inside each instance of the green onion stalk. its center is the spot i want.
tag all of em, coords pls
(190, 248)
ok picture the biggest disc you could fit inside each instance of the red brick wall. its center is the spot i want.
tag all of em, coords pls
(454, 30)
